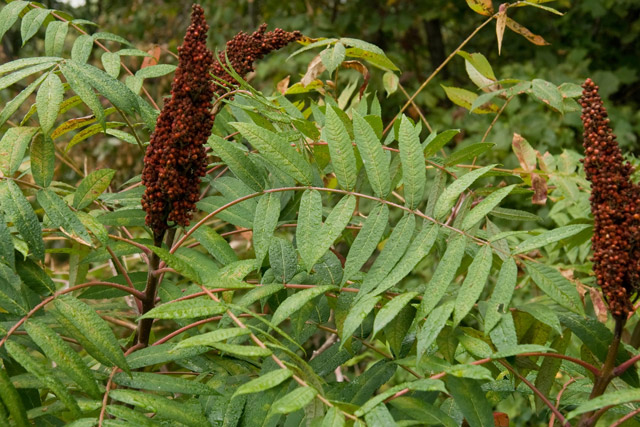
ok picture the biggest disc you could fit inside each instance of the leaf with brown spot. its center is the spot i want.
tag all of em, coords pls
(523, 31)
(524, 152)
(483, 7)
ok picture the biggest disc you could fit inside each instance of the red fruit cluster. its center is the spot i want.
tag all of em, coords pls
(615, 204)
(244, 49)
(175, 158)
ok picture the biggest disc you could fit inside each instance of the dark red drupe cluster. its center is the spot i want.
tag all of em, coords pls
(175, 158)
(244, 49)
(615, 204)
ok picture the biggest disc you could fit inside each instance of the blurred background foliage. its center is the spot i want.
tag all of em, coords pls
(594, 38)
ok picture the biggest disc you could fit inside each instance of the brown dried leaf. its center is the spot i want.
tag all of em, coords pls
(539, 186)
(523, 31)
(359, 67)
(148, 61)
(283, 85)
(501, 22)
(314, 69)
(599, 305)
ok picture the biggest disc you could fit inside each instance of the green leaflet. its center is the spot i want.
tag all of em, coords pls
(555, 285)
(294, 400)
(112, 89)
(341, 150)
(444, 274)
(238, 161)
(485, 206)
(502, 293)
(379, 416)
(514, 214)
(162, 353)
(111, 63)
(64, 356)
(366, 241)
(81, 49)
(13, 105)
(413, 166)
(186, 309)
(11, 298)
(296, 301)
(89, 131)
(62, 216)
(92, 329)
(333, 57)
(22, 356)
(417, 250)
(9, 15)
(394, 248)
(376, 164)
(84, 91)
(162, 383)
(451, 193)
(135, 418)
(436, 141)
(283, 259)
(309, 225)
(12, 400)
(153, 71)
(234, 213)
(16, 76)
(473, 284)
(178, 411)
(612, 398)
(215, 244)
(234, 189)
(332, 228)
(43, 159)
(549, 237)
(431, 327)
(277, 151)
(19, 211)
(471, 400)
(13, 145)
(91, 187)
(212, 337)
(468, 153)
(333, 418)
(7, 252)
(34, 277)
(176, 263)
(48, 100)
(518, 349)
(264, 224)
(356, 315)
(264, 382)
(31, 23)
(390, 310)
(54, 37)
(123, 217)
(425, 384)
